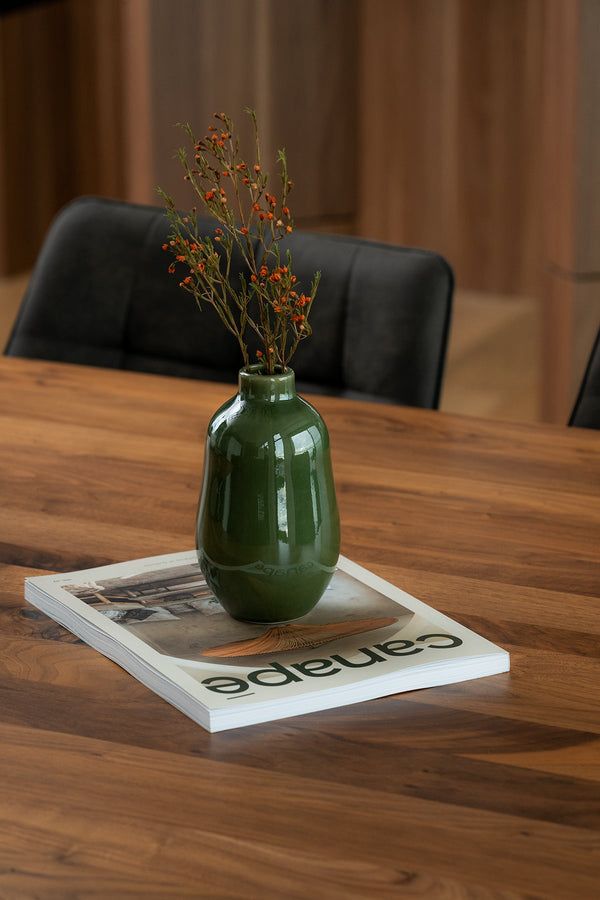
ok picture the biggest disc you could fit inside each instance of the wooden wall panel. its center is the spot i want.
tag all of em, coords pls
(314, 77)
(138, 145)
(96, 120)
(295, 63)
(36, 156)
(205, 59)
(449, 113)
(443, 94)
(60, 116)
(570, 143)
(407, 111)
(588, 136)
(90, 91)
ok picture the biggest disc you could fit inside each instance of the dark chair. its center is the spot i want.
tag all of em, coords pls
(586, 412)
(100, 295)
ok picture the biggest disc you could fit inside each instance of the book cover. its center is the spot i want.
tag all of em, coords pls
(158, 618)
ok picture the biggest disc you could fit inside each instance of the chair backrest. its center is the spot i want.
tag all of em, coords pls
(586, 412)
(100, 295)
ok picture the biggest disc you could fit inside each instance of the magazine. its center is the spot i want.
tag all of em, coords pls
(159, 620)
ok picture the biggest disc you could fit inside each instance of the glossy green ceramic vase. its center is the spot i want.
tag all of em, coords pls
(268, 533)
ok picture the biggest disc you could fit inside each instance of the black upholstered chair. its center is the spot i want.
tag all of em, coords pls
(586, 412)
(100, 295)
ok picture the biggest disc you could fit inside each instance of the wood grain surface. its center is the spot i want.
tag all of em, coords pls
(485, 789)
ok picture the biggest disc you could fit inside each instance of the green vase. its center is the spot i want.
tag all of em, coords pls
(267, 533)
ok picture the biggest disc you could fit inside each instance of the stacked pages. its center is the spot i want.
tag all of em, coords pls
(158, 619)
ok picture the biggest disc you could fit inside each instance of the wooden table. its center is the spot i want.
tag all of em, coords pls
(489, 788)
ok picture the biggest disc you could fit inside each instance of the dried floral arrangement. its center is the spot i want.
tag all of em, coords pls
(268, 301)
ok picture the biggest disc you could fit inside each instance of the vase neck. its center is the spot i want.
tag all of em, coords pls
(255, 385)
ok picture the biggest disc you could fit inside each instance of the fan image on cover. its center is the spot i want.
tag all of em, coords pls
(174, 611)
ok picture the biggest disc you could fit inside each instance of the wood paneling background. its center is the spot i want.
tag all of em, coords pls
(36, 153)
(414, 121)
(90, 91)
(450, 117)
(571, 198)
(61, 130)
(295, 63)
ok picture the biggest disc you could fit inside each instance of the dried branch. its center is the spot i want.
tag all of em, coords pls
(268, 302)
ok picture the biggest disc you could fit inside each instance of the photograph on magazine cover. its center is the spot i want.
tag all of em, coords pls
(173, 610)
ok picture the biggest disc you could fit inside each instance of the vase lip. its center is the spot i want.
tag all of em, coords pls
(257, 370)
(255, 384)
